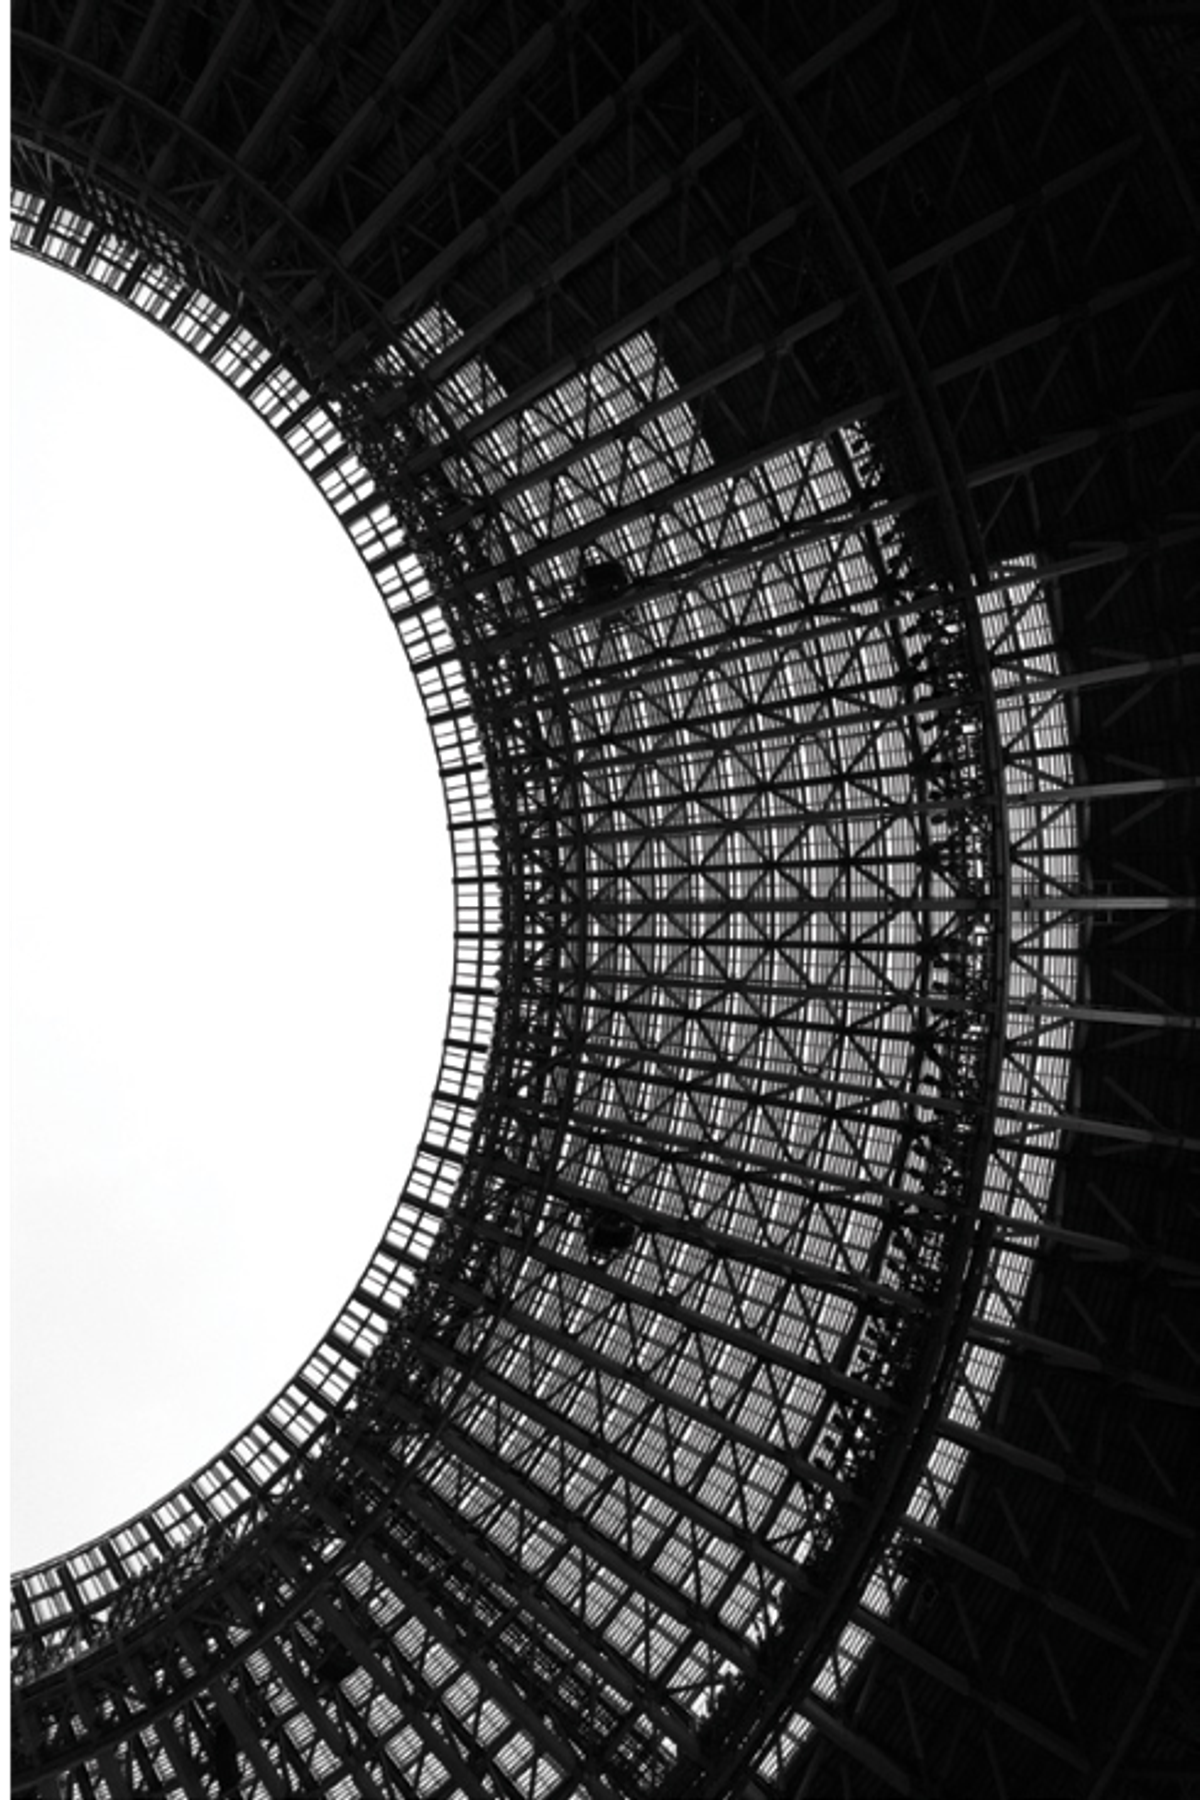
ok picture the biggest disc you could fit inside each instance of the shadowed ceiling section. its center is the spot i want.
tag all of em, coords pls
(773, 437)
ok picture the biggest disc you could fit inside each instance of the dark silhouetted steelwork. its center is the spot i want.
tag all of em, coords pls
(773, 430)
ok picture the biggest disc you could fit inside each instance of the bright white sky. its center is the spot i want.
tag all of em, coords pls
(230, 914)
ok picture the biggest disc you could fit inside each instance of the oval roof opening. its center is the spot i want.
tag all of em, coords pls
(231, 937)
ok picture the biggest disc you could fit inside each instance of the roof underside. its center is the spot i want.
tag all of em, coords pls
(773, 433)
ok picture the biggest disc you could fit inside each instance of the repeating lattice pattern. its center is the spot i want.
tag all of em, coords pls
(767, 433)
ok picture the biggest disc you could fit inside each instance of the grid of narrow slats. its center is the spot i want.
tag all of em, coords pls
(618, 336)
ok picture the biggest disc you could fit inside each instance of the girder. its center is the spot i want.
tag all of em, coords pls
(772, 433)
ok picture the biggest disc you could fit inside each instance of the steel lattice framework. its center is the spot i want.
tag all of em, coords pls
(773, 431)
